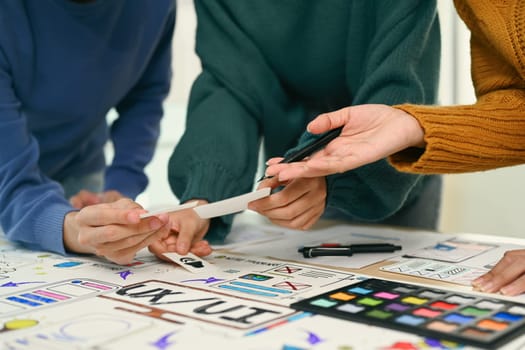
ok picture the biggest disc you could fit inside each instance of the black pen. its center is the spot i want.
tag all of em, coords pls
(348, 250)
(310, 148)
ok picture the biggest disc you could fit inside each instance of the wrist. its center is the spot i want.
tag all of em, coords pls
(415, 132)
(70, 234)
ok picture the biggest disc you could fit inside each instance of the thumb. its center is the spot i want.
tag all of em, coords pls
(75, 202)
(328, 121)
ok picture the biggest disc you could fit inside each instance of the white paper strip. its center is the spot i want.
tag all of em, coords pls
(231, 205)
(170, 209)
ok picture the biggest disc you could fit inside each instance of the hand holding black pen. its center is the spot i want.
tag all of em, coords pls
(310, 148)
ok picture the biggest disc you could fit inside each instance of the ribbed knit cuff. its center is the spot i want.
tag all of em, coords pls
(211, 182)
(463, 139)
(49, 228)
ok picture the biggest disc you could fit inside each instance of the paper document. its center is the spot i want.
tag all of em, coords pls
(190, 262)
(436, 270)
(231, 205)
(170, 209)
(292, 240)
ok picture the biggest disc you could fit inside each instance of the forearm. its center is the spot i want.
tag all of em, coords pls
(41, 226)
(32, 207)
(136, 131)
(216, 157)
(488, 134)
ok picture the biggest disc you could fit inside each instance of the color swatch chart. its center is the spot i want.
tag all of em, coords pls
(431, 312)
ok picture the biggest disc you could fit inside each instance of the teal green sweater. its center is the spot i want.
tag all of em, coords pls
(270, 66)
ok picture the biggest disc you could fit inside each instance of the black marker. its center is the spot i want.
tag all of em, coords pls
(310, 148)
(348, 250)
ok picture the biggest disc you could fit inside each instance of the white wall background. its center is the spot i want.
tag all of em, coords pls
(487, 202)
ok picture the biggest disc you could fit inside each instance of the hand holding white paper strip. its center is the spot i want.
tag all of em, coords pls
(170, 209)
(230, 205)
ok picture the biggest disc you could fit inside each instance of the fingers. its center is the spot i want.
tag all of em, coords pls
(158, 248)
(84, 198)
(299, 205)
(120, 212)
(275, 160)
(507, 277)
(111, 196)
(113, 230)
(190, 233)
(292, 192)
(303, 221)
(329, 121)
(189, 228)
(123, 252)
(289, 171)
(201, 248)
(269, 182)
(115, 235)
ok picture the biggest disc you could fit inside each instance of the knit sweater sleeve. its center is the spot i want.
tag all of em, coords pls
(32, 207)
(217, 156)
(490, 133)
(135, 133)
(401, 64)
(214, 160)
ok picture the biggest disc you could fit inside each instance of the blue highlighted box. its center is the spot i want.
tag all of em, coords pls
(38, 298)
(23, 301)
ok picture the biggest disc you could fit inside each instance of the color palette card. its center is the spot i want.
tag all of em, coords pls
(430, 312)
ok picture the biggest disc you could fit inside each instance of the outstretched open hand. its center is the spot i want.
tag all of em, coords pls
(370, 133)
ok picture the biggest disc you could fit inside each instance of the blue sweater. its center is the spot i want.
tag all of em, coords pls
(63, 66)
(270, 66)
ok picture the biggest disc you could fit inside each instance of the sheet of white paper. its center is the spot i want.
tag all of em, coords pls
(242, 235)
(231, 205)
(169, 209)
(436, 270)
(344, 234)
(453, 250)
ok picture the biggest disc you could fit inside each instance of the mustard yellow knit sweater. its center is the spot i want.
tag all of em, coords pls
(490, 133)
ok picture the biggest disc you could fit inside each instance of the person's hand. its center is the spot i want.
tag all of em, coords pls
(113, 230)
(507, 277)
(84, 198)
(298, 205)
(169, 244)
(370, 133)
(186, 235)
